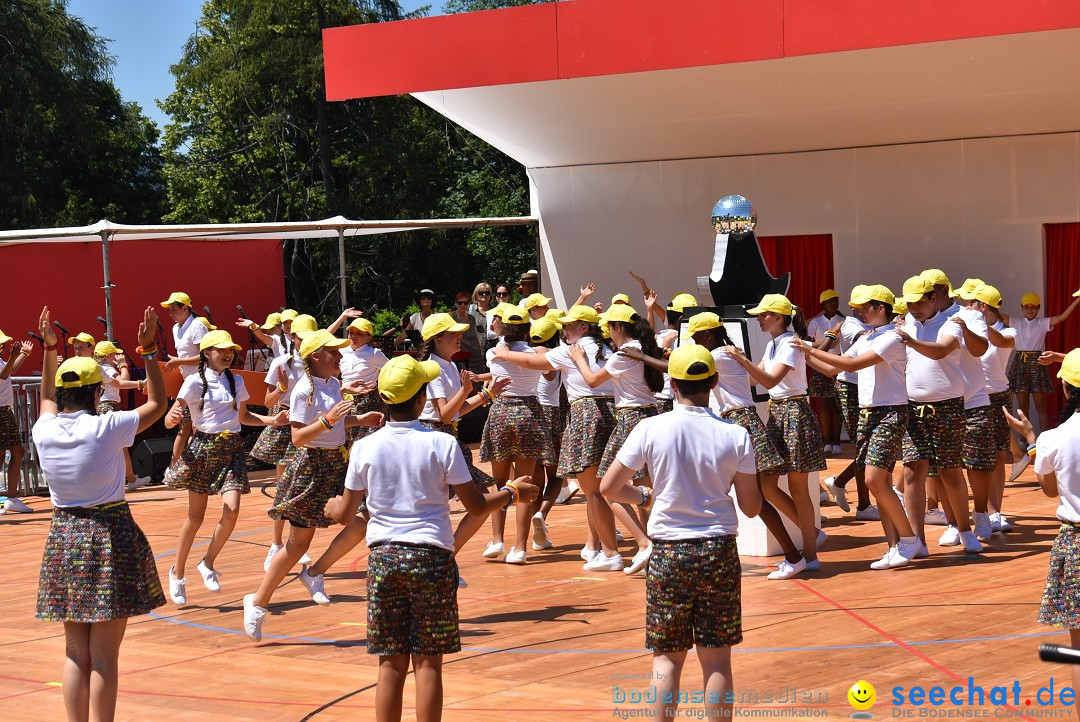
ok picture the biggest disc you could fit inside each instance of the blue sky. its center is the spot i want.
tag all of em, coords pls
(145, 37)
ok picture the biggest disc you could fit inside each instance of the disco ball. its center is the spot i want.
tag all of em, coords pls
(734, 214)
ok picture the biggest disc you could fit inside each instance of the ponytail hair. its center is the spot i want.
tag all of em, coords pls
(720, 336)
(593, 331)
(797, 323)
(1072, 403)
(639, 330)
(428, 347)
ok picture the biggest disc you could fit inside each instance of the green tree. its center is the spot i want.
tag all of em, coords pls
(73, 151)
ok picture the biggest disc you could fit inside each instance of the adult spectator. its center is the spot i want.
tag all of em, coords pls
(470, 340)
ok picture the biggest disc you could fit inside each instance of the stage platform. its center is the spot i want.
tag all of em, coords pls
(549, 641)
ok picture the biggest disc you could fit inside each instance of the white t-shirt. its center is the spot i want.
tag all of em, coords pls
(523, 381)
(628, 378)
(929, 380)
(444, 387)
(733, 390)
(109, 391)
(548, 391)
(293, 371)
(665, 394)
(692, 455)
(781, 353)
(276, 347)
(1058, 450)
(82, 455)
(883, 384)
(971, 367)
(818, 325)
(576, 388)
(995, 362)
(217, 413)
(326, 395)
(186, 337)
(406, 469)
(1031, 335)
(361, 364)
(7, 396)
(849, 330)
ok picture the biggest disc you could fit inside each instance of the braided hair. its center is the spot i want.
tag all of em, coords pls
(639, 330)
(202, 377)
(286, 343)
(310, 378)
(1072, 403)
(593, 331)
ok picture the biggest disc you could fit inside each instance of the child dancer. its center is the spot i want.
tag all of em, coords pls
(114, 375)
(214, 461)
(544, 334)
(402, 473)
(270, 333)
(792, 424)
(820, 386)
(360, 364)
(11, 439)
(82, 345)
(692, 587)
(1057, 466)
(1027, 379)
(187, 333)
(97, 569)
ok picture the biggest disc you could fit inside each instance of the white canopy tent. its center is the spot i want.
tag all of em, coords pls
(339, 226)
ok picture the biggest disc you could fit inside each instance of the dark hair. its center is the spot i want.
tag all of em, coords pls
(515, 332)
(397, 411)
(202, 376)
(1072, 404)
(286, 344)
(720, 335)
(80, 398)
(552, 342)
(796, 322)
(640, 330)
(888, 308)
(690, 388)
(428, 347)
(593, 331)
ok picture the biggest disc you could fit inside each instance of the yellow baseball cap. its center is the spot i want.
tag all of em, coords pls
(543, 328)
(827, 295)
(315, 340)
(936, 277)
(619, 298)
(1070, 368)
(515, 315)
(876, 292)
(967, 291)
(686, 357)
(177, 297)
(621, 312)
(104, 348)
(1030, 299)
(555, 314)
(303, 324)
(4, 338)
(988, 295)
(856, 293)
(899, 307)
(681, 301)
(587, 314)
(288, 315)
(218, 339)
(87, 372)
(271, 320)
(206, 322)
(774, 303)
(438, 323)
(536, 299)
(363, 325)
(701, 322)
(916, 287)
(602, 323)
(402, 376)
(84, 337)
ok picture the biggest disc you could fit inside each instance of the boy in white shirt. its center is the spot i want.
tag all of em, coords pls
(693, 580)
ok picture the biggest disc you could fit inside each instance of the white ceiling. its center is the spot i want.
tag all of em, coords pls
(1005, 85)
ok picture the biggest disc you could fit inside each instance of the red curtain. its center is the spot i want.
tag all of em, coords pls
(1062, 281)
(809, 259)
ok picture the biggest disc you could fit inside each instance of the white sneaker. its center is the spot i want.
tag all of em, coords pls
(837, 449)
(1019, 466)
(14, 505)
(995, 522)
(315, 584)
(983, 528)
(601, 563)
(305, 559)
(828, 450)
(1004, 524)
(640, 560)
(936, 518)
(821, 538)
(461, 583)
(539, 530)
(177, 588)
(903, 553)
(541, 547)
(568, 492)
(950, 538)
(923, 552)
(886, 558)
(270, 554)
(870, 513)
(589, 554)
(515, 557)
(139, 483)
(823, 497)
(209, 576)
(253, 618)
(971, 544)
(839, 494)
(786, 570)
(494, 550)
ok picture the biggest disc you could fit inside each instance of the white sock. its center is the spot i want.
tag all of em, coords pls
(910, 539)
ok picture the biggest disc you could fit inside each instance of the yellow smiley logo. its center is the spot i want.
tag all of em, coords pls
(862, 695)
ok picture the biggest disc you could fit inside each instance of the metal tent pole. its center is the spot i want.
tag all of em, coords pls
(108, 284)
(341, 267)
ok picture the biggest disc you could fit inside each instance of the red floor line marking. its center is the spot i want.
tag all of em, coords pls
(356, 562)
(895, 640)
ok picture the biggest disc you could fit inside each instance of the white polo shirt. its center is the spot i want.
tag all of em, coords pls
(930, 380)
(818, 325)
(733, 390)
(326, 394)
(82, 455)
(628, 378)
(523, 381)
(971, 367)
(665, 394)
(217, 413)
(1031, 335)
(884, 383)
(406, 469)
(186, 337)
(361, 365)
(576, 388)
(548, 391)
(995, 362)
(444, 387)
(849, 332)
(109, 391)
(692, 455)
(7, 396)
(276, 347)
(780, 352)
(1058, 450)
(294, 371)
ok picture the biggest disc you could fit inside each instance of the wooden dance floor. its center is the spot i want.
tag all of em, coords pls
(549, 641)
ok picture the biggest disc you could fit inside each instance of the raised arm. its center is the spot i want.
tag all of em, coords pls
(1055, 320)
(156, 403)
(349, 312)
(19, 353)
(587, 290)
(264, 338)
(48, 367)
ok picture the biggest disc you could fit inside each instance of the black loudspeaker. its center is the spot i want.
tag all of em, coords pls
(151, 458)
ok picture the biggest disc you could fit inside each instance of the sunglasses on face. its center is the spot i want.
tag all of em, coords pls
(462, 303)
(503, 293)
(483, 293)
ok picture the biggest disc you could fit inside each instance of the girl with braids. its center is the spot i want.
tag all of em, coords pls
(792, 424)
(635, 385)
(187, 331)
(275, 442)
(592, 419)
(360, 365)
(1057, 467)
(318, 418)
(97, 569)
(214, 461)
(514, 434)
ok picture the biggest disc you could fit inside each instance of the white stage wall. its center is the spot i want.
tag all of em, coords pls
(971, 207)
